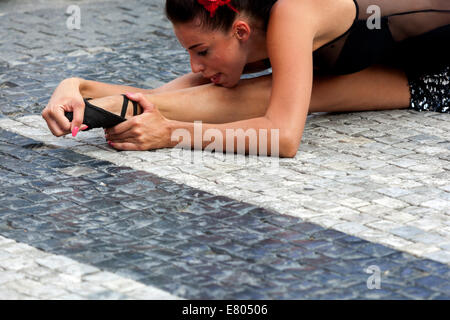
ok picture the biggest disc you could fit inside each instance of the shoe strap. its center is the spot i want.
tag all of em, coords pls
(135, 108)
(125, 106)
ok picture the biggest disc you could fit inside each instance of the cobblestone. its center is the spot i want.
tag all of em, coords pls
(57, 277)
(382, 176)
(263, 240)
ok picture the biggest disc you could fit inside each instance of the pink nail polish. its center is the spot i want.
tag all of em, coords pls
(84, 128)
(75, 131)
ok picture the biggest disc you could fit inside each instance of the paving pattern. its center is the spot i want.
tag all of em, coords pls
(29, 273)
(365, 189)
(188, 242)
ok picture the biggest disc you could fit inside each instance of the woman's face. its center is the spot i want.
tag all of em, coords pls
(219, 56)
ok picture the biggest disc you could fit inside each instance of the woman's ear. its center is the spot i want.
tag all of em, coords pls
(241, 30)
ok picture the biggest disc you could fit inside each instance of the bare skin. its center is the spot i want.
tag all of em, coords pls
(213, 104)
(281, 101)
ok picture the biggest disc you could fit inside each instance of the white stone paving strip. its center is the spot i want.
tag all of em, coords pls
(377, 185)
(27, 273)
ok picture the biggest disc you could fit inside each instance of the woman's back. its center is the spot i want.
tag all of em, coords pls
(395, 32)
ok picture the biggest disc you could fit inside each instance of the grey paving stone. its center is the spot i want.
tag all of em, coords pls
(407, 232)
(96, 218)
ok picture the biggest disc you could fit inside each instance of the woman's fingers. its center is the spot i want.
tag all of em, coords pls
(126, 146)
(78, 116)
(146, 105)
(56, 121)
(60, 118)
(54, 127)
(128, 134)
(121, 128)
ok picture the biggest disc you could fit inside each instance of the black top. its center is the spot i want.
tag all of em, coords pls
(411, 34)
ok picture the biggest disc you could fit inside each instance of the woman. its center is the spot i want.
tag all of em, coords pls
(326, 56)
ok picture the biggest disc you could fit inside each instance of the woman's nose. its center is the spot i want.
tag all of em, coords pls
(196, 66)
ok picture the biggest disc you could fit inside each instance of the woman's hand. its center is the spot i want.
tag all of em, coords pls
(146, 131)
(66, 97)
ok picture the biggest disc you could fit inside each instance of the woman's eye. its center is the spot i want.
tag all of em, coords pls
(202, 53)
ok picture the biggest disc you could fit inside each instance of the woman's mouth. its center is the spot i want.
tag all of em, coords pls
(215, 78)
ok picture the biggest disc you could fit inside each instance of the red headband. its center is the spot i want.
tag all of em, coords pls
(212, 5)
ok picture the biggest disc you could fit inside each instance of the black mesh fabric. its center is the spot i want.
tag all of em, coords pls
(413, 35)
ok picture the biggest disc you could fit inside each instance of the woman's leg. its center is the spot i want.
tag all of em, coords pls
(374, 88)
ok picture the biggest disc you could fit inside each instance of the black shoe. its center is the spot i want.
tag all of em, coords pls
(95, 117)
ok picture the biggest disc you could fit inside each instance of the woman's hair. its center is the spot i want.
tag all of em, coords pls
(184, 11)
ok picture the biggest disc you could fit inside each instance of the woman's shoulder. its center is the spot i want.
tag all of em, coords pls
(328, 18)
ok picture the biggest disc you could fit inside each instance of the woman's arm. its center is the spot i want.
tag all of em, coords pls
(290, 45)
(255, 136)
(69, 94)
(290, 40)
(291, 31)
(95, 89)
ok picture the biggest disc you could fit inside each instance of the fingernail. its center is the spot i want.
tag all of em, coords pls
(75, 131)
(84, 128)
(110, 143)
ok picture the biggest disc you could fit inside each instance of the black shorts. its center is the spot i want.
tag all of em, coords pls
(430, 91)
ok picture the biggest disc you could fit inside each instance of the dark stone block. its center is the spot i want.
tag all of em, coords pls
(328, 234)
(49, 244)
(239, 207)
(289, 235)
(130, 256)
(101, 204)
(430, 266)
(306, 228)
(266, 229)
(221, 214)
(250, 294)
(90, 257)
(433, 282)
(69, 155)
(417, 293)
(114, 170)
(248, 220)
(191, 193)
(341, 252)
(351, 240)
(41, 184)
(37, 197)
(25, 236)
(160, 281)
(98, 164)
(376, 250)
(312, 244)
(164, 254)
(16, 203)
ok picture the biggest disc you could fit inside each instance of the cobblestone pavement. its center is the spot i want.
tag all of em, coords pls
(79, 220)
